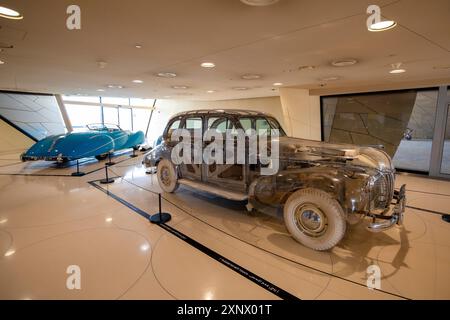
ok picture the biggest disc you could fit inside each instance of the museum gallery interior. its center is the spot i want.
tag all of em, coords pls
(224, 150)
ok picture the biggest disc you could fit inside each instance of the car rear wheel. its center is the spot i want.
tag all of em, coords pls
(101, 157)
(314, 219)
(167, 176)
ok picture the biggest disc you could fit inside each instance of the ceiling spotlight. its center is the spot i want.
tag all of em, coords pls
(382, 26)
(166, 74)
(10, 252)
(2, 62)
(109, 219)
(101, 64)
(278, 84)
(306, 68)
(344, 62)
(10, 13)
(208, 65)
(251, 76)
(396, 68)
(3, 221)
(137, 81)
(115, 86)
(240, 88)
(332, 78)
(211, 91)
(180, 87)
(259, 3)
(138, 46)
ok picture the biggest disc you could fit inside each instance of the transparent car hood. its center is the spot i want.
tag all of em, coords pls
(308, 150)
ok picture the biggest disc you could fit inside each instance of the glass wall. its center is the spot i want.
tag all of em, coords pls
(129, 113)
(445, 161)
(400, 121)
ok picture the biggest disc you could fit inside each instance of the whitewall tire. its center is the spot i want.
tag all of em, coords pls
(314, 219)
(167, 176)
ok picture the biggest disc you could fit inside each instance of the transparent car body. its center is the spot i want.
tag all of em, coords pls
(360, 178)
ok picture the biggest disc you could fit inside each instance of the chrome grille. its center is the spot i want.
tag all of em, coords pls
(381, 190)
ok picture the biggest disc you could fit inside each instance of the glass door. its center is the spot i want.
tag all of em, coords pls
(440, 155)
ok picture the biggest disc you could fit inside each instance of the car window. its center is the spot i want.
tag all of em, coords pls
(175, 125)
(246, 123)
(262, 125)
(222, 125)
(193, 123)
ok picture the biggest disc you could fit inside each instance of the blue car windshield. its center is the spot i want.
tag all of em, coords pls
(103, 127)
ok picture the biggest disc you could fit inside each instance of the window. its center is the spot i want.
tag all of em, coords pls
(401, 121)
(193, 123)
(262, 125)
(246, 123)
(125, 119)
(110, 115)
(140, 119)
(220, 124)
(81, 115)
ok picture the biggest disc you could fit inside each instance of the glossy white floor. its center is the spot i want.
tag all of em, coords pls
(49, 222)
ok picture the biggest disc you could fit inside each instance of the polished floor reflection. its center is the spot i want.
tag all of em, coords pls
(49, 222)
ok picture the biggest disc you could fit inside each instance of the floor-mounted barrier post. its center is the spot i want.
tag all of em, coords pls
(78, 173)
(107, 180)
(160, 217)
(133, 155)
(110, 163)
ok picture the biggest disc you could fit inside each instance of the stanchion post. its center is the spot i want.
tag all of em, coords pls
(78, 173)
(160, 217)
(107, 180)
(110, 163)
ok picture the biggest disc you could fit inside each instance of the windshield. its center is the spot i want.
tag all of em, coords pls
(103, 127)
(261, 123)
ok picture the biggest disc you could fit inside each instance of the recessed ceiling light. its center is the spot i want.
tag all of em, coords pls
(396, 68)
(10, 252)
(332, 78)
(166, 74)
(102, 64)
(250, 76)
(109, 219)
(137, 81)
(180, 87)
(240, 88)
(382, 26)
(2, 62)
(138, 46)
(3, 221)
(208, 65)
(344, 62)
(259, 3)
(397, 71)
(167, 97)
(211, 91)
(306, 68)
(10, 13)
(278, 84)
(115, 86)
(100, 90)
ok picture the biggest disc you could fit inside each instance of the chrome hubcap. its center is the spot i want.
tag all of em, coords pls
(165, 175)
(310, 220)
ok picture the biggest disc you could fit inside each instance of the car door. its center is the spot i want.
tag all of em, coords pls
(193, 170)
(230, 176)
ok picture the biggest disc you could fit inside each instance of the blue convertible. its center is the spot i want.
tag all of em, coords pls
(98, 142)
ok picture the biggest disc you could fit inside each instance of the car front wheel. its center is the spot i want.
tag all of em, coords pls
(314, 219)
(167, 176)
(101, 157)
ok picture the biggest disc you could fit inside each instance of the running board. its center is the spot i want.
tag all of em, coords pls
(230, 195)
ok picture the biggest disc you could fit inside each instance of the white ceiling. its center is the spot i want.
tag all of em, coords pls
(177, 35)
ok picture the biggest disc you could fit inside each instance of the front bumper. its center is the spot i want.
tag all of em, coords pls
(397, 214)
(58, 158)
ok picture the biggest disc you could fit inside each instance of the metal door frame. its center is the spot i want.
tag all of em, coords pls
(437, 149)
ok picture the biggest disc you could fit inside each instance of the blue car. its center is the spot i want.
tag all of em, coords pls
(98, 142)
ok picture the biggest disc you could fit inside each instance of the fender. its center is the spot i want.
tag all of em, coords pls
(275, 190)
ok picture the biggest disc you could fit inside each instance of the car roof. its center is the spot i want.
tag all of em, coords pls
(237, 112)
